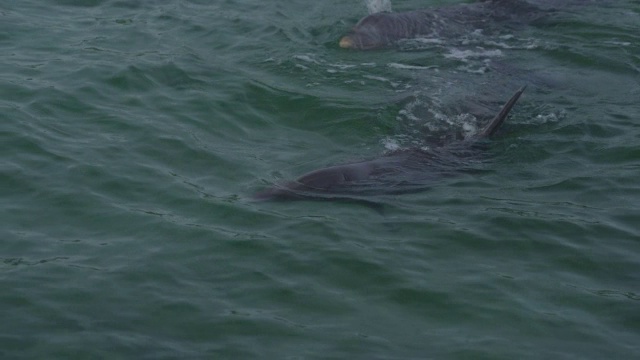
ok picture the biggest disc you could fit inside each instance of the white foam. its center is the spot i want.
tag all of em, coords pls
(430, 40)
(382, 79)
(406, 113)
(410, 67)
(342, 66)
(552, 117)
(475, 69)
(617, 43)
(472, 54)
(390, 144)
(306, 58)
(376, 6)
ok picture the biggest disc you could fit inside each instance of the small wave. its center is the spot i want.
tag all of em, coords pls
(465, 55)
(525, 45)
(617, 43)
(307, 61)
(552, 118)
(391, 144)
(308, 58)
(393, 84)
(411, 67)
(421, 44)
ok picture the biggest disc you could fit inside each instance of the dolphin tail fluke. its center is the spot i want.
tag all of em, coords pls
(495, 123)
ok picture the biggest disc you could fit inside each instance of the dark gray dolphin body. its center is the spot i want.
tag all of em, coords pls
(398, 172)
(384, 29)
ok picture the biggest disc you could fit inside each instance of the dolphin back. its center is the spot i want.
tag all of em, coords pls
(382, 175)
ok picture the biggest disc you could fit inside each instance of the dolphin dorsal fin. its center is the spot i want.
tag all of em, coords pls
(495, 123)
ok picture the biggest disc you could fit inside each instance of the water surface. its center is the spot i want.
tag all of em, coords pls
(135, 132)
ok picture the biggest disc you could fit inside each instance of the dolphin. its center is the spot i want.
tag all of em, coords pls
(384, 29)
(398, 172)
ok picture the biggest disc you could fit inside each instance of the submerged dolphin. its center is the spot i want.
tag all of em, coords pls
(385, 28)
(398, 172)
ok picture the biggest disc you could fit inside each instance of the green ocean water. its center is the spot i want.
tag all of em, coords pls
(134, 132)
